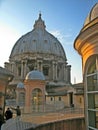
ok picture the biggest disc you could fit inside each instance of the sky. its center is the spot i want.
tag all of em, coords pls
(63, 18)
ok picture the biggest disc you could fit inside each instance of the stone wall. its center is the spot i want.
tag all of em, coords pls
(69, 124)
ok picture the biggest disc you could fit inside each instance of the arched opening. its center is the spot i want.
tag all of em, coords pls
(37, 99)
(46, 70)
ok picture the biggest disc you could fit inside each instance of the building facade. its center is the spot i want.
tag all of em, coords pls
(41, 51)
(37, 52)
(86, 44)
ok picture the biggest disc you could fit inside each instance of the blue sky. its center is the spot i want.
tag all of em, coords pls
(63, 18)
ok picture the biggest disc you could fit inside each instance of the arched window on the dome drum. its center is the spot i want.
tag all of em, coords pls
(31, 68)
(58, 71)
(19, 71)
(46, 70)
(30, 65)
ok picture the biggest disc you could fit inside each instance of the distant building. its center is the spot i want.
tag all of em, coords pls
(39, 53)
(78, 95)
(86, 44)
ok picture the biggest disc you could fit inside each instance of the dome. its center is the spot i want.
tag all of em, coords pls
(38, 41)
(92, 15)
(20, 85)
(35, 75)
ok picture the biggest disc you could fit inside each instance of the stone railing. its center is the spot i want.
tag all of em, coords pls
(69, 124)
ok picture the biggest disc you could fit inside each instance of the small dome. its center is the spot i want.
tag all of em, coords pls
(92, 15)
(20, 85)
(35, 75)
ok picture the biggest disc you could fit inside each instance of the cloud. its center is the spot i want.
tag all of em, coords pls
(63, 38)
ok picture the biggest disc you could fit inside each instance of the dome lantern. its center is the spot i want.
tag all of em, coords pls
(39, 24)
